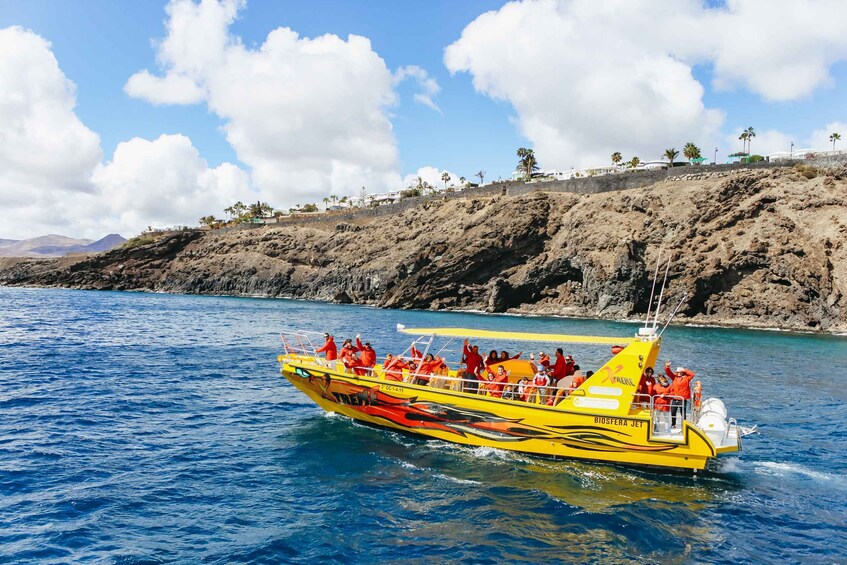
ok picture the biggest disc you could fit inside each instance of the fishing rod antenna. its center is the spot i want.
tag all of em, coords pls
(653, 288)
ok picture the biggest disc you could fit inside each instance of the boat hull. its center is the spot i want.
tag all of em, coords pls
(478, 420)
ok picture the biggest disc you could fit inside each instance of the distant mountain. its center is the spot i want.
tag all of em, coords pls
(5, 242)
(57, 246)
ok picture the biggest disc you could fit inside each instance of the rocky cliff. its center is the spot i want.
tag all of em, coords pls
(756, 248)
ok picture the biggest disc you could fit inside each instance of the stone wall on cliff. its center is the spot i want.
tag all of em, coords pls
(762, 248)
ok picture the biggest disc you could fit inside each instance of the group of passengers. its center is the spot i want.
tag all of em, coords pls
(551, 383)
(671, 395)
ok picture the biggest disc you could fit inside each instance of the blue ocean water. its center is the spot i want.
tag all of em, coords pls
(143, 428)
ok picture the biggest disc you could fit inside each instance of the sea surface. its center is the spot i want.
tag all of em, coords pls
(150, 428)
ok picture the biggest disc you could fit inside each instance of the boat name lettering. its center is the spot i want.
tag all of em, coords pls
(618, 422)
(623, 381)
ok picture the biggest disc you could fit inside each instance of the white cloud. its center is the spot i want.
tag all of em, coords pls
(779, 49)
(51, 178)
(589, 78)
(819, 139)
(164, 182)
(43, 145)
(586, 79)
(307, 115)
(431, 175)
(170, 89)
(428, 85)
(766, 142)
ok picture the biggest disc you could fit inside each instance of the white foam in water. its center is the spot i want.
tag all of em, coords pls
(784, 468)
(455, 480)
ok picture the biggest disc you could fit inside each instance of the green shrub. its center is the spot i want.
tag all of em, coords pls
(138, 241)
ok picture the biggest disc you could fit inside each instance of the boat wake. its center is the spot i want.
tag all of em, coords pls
(774, 468)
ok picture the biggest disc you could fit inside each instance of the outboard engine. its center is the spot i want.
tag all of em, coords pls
(713, 420)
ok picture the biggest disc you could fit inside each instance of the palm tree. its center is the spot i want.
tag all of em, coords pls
(691, 151)
(750, 135)
(239, 209)
(744, 137)
(671, 155)
(462, 181)
(634, 162)
(616, 157)
(326, 203)
(527, 163)
(445, 176)
(481, 175)
(833, 138)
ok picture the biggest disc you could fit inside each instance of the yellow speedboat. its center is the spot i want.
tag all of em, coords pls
(603, 419)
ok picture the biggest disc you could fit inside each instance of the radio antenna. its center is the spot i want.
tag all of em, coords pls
(681, 300)
(653, 288)
(662, 293)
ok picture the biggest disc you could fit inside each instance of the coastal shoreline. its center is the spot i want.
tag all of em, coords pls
(726, 325)
(758, 249)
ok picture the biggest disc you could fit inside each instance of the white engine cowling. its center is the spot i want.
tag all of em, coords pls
(715, 406)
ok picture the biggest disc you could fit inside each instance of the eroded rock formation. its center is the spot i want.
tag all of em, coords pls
(758, 248)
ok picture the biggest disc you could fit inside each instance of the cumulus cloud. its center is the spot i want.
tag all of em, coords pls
(428, 85)
(766, 142)
(51, 177)
(431, 175)
(43, 145)
(778, 49)
(588, 78)
(819, 139)
(164, 182)
(308, 115)
(170, 89)
(584, 80)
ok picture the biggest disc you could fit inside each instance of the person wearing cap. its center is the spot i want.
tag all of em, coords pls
(661, 403)
(367, 358)
(540, 382)
(680, 388)
(328, 348)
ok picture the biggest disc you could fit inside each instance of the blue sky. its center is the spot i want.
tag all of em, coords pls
(573, 80)
(100, 44)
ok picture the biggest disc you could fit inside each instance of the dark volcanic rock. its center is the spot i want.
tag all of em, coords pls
(762, 248)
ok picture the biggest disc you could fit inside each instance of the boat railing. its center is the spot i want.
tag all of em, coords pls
(667, 410)
(300, 343)
(497, 389)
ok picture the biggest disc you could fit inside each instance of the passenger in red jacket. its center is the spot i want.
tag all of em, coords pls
(495, 384)
(557, 373)
(681, 387)
(329, 348)
(426, 368)
(570, 366)
(473, 363)
(645, 387)
(367, 357)
(393, 367)
(661, 403)
(348, 355)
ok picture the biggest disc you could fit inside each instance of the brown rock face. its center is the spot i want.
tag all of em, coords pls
(761, 249)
